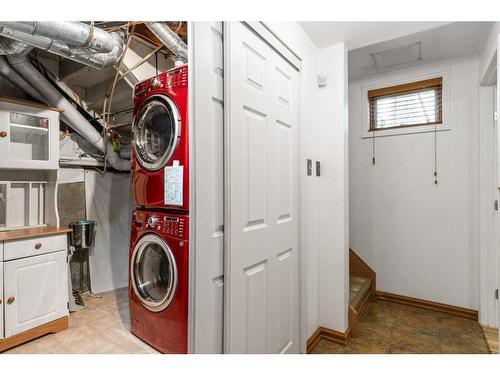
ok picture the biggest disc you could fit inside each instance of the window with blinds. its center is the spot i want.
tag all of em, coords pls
(411, 104)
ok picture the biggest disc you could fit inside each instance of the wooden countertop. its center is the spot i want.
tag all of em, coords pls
(17, 234)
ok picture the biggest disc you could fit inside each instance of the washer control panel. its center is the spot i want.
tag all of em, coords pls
(173, 225)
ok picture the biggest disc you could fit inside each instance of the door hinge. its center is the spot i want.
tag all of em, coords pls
(318, 168)
(496, 204)
(496, 293)
(67, 304)
(309, 167)
(495, 116)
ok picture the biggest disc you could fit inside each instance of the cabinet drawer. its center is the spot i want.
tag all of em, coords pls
(33, 246)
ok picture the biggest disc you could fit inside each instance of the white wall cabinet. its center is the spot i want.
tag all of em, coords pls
(29, 136)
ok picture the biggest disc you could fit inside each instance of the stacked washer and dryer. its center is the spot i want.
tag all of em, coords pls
(159, 241)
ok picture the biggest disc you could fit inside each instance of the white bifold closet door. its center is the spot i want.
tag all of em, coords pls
(261, 255)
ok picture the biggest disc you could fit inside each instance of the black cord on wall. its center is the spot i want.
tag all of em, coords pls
(156, 62)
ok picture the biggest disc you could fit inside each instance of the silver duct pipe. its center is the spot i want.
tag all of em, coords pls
(77, 34)
(16, 79)
(70, 115)
(11, 47)
(171, 40)
(81, 55)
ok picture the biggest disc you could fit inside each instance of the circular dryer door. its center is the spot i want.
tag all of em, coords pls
(156, 132)
(153, 273)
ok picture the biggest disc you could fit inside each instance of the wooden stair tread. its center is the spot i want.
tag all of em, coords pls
(359, 291)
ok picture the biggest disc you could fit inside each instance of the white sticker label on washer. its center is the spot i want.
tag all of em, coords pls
(174, 179)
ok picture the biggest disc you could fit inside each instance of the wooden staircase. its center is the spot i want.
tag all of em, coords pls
(362, 286)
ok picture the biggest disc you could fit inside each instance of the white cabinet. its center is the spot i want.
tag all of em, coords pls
(35, 291)
(1, 297)
(29, 136)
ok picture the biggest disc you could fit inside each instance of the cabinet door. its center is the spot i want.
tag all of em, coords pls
(1, 298)
(28, 137)
(35, 291)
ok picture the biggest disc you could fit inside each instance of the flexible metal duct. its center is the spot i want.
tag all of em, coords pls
(81, 55)
(77, 34)
(19, 81)
(11, 47)
(171, 40)
(70, 115)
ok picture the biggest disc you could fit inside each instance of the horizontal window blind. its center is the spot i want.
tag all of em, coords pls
(412, 104)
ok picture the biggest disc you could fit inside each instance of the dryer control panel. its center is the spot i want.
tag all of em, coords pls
(170, 224)
(172, 78)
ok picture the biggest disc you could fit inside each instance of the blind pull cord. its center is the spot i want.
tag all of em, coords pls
(435, 155)
(373, 147)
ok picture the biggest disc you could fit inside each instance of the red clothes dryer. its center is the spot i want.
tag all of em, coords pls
(160, 152)
(158, 282)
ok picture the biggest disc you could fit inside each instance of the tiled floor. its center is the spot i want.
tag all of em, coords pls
(491, 335)
(386, 327)
(102, 328)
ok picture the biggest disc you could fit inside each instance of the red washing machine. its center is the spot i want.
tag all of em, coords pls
(160, 157)
(158, 283)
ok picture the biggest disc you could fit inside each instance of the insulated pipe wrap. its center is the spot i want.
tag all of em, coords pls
(78, 54)
(78, 34)
(170, 39)
(19, 81)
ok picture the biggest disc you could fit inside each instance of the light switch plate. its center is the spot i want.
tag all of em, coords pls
(309, 167)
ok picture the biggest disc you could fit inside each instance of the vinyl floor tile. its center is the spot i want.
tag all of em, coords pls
(102, 328)
(387, 327)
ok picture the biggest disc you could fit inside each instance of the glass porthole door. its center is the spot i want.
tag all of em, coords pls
(156, 132)
(153, 273)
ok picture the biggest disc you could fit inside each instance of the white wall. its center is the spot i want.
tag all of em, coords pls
(487, 181)
(207, 163)
(487, 58)
(108, 202)
(422, 240)
(324, 200)
(489, 219)
(333, 191)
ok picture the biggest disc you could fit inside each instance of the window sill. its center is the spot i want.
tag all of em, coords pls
(403, 131)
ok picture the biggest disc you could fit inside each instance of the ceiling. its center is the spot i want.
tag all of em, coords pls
(360, 34)
(450, 41)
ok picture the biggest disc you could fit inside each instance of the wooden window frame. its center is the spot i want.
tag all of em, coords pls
(386, 92)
